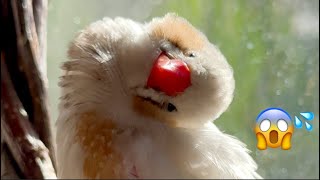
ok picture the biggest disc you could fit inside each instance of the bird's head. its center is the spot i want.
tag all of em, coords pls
(165, 70)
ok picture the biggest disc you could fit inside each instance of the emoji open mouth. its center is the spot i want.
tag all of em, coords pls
(273, 136)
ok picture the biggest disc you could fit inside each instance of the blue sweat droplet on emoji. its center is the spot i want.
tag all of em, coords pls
(274, 128)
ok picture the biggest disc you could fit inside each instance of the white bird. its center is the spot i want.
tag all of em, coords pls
(138, 101)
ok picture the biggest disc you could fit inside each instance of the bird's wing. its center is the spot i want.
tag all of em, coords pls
(69, 154)
(209, 153)
(87, 150)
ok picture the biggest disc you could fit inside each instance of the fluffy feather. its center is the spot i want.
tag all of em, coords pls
(107, 130)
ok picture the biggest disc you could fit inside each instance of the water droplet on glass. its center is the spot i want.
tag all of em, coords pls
(308, 115)
(235, 9)
(284, 170)
(300, 101)
(76, 20)
(297, 122)
(250, 45)
(267, 36)
(279, 74)
(268, 52)
(308, 126)
(309, 62)
(286, 81)
(56, 30)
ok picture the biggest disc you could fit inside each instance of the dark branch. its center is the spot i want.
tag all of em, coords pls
(27, 149)
(23, 55)
(30, 59)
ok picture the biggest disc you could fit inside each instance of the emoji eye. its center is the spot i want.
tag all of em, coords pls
(282, 125)
(265, 125)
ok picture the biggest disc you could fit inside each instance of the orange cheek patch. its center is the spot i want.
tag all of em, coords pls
(95, 135)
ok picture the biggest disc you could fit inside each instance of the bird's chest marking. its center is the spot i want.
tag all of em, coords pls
(96, 136)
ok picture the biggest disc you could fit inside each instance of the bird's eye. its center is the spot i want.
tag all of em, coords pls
(282, 125)
(190, 54)
(171, 107)
(265, 125)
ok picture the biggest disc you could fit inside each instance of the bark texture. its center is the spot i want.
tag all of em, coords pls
(27, 148)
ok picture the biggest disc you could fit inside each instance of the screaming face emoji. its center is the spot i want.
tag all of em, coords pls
(274, 128)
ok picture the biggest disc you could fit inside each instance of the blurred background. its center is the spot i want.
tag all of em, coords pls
(273, 47)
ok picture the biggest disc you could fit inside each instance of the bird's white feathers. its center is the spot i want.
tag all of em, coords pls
(224, 157)
(107, 64)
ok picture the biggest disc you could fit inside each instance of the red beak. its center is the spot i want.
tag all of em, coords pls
(171, 76)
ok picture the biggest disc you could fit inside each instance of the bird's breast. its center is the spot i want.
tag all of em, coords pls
(111, 151)
(96, 136)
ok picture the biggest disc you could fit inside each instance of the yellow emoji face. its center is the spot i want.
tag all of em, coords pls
(274, 128)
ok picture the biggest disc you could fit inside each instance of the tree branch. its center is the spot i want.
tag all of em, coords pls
(40, 9)
(30, 58)
(28, 150)
(25, 124)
